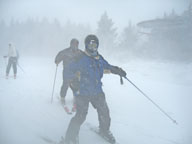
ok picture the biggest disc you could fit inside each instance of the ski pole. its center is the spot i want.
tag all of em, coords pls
(54, 84)
(20, 67)
(174, 121)
(121, 80)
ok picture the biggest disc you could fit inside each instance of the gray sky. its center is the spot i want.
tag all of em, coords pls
(89, 11)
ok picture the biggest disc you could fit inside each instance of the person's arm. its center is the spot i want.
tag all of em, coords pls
(8, 54)
(59, 57)
(62, 56)
(113, 69)
(117, 70)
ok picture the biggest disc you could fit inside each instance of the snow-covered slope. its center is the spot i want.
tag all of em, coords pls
(26, 112)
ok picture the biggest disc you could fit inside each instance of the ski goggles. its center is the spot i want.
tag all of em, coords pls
(92, 46)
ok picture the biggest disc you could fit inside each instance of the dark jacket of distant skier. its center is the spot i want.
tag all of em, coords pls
(13, 56)
(68, 56)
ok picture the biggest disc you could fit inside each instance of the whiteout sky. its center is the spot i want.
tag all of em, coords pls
(89, 11)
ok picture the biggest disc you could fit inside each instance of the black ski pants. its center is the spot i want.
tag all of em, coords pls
(12, 62)
(82, 104)
(64, 89)
(73, 84)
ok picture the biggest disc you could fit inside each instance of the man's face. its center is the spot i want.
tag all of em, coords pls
(75, 45)
(92, 46)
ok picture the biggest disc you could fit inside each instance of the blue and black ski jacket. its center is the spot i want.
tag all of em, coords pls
(89, 72)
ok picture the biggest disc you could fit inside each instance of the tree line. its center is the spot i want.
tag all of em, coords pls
(45, 38)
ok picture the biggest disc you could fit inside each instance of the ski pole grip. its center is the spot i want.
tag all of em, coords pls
(121, 80)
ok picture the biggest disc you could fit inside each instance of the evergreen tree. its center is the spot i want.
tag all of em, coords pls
(129, 39)
(107, 34)
(3, 44)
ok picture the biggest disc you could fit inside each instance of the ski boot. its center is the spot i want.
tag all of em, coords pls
(15, 76)
(7, 76)
(62, 141)
(65, 106)
(62, 100)
(74, 108)
(75, 141)
(107, 135)
(67, 110)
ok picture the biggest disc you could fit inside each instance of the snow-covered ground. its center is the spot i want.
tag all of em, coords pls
(26, 112)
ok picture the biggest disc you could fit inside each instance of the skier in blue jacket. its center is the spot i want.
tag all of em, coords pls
(88, 71)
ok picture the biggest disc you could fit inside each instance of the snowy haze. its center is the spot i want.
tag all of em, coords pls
(89, 11)
(43, 27)
(160, 64)
(27, 113)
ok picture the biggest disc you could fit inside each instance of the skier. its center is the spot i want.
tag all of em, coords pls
(13, 56)
(67, 56)
(89, 69)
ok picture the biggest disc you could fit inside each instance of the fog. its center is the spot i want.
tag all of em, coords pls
(149, 39)
(45, 27)
(86, 11)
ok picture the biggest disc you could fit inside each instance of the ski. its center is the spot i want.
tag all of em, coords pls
(48, 140)
(10, 77)
(96, 131)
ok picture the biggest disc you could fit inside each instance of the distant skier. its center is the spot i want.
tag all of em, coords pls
(89, 69)
(13, 56)
(68, 55)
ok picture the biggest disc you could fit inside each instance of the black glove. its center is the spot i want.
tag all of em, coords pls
(121, 72)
